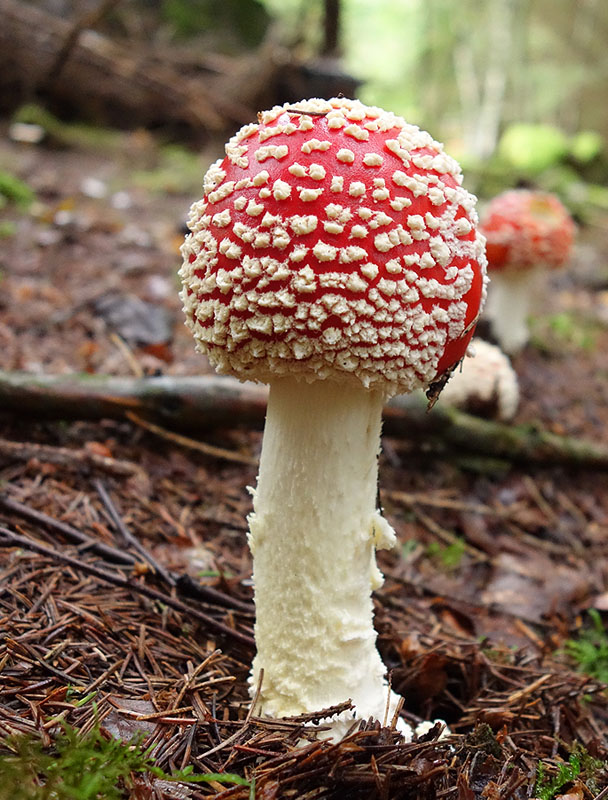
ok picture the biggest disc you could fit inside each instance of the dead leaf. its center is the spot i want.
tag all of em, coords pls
(576, 793)
(431, 677)
(98, 449)
(491, 791)
(600, 602)
(134, 320)
(532, 586)
(125, 726)
(268, 791)
(464, 790)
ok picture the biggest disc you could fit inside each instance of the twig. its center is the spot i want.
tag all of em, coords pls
(103, 677)
(527, 690)
(398, 707)
(425, 499)
(27, 652)
(128, 355)
(256, 696)
(185, 584)
(192, 444)
(223, 744)
(126, 534)
(188, 587)
(67, 457)
(447, 537)
(10, 539)
(313, 716)
(71, 534)
(191, 677)
(540, 501)
(389, 692)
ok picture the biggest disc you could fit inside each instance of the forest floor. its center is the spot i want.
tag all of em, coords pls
(496, 567)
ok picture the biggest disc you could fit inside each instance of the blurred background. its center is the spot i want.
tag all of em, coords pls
(515, 88)
(112, 110)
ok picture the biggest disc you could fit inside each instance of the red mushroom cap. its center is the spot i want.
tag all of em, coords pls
(334, 241)
(526, 229)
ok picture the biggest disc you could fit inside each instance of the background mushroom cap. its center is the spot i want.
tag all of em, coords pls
(526, 229)
(334, 241)
(485, 384)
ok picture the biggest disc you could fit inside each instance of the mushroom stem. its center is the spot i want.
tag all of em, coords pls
(510, 299)
(313, 535)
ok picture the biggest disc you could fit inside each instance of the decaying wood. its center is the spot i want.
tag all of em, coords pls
(208, 402)
(67, 457)
(85, 72)
(181, 403)
(87, 20)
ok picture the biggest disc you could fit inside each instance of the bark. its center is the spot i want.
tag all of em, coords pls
(85, 74)
(331, 29)
(211, 401)
(187, 404)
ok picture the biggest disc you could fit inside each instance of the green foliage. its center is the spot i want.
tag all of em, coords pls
(7, 229)
(450, 555)
(88, 767)
(581, 766)
(591, 767)
(178, 171)
(546, 788)
(545, 157)
(13, 190)
(246, 20)
(590, 650)
(482, 738)
(569, 329)
(80, 769)
(532, 148)
(501, 654)
(564, 330)
(409, 548)
(597, 196)
(586, 146)
(70, 134)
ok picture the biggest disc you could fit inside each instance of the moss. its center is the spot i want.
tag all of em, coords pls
(14, 190)
(84, 767)
(590, 650)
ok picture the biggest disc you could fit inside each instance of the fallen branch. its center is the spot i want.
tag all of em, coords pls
(67, 457)
(192, 444)
(189, 404)
(83, 69)
(211, 401)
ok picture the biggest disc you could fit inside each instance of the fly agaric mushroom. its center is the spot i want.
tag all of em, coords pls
(334, 256)
(485, 383)
(527, 232)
